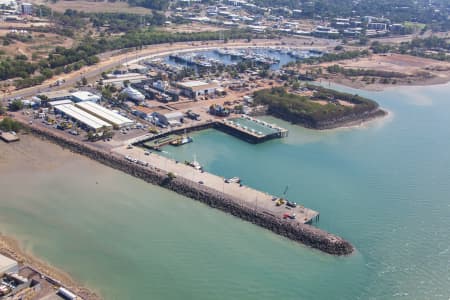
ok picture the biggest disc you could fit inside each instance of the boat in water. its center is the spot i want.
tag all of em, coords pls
(233, 180)
(181, 141)
(195, 164)
(184, 139)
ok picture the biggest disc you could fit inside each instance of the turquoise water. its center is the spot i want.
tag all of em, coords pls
(385, 187)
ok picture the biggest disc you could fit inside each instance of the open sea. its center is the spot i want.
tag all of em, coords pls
(384, 186)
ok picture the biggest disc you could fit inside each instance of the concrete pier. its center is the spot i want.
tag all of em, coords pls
(248, 197)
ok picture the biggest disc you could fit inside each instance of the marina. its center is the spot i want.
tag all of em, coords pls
(275, 58)
(245, 127)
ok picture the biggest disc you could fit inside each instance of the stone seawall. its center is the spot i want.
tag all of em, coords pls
(303, 233)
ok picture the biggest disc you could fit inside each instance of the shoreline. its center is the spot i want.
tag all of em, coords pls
(345, 122)
(377, 87)
(12, 248)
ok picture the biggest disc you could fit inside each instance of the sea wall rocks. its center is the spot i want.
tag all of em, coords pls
(303, 233)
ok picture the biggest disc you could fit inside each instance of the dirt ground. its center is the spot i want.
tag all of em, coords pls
(41, 44)
(194, 27)
(93, 6)
(393, 62)
(420, 71)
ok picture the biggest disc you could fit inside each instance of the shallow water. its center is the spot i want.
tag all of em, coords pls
(384, 186)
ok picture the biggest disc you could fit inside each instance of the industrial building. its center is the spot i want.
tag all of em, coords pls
(55, 96)
(118, 79)
(105, 114)
(8, 265)
(194, 89)
(172, 119)
(27, 8)
(84, 118)
(53, 104)
(82, 96)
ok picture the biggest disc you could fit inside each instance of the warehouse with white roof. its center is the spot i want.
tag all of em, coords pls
(8, 265)
(107, 115)
(81, 96)
(82, 117)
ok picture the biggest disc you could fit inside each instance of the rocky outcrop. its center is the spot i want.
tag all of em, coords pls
(303, 233)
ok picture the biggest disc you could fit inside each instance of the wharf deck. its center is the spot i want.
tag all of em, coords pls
(251, 129)
(247, 196)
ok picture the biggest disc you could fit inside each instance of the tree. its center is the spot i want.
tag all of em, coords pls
(8, 124)
(84, 81)
(16, 105)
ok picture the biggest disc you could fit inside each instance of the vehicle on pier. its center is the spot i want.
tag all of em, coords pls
(291, 204)
(289, 216)
(280, 202)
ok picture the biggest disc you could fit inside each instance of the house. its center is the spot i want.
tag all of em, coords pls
(322, 31)
(377, 26)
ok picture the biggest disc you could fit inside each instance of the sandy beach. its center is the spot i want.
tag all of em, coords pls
(11, 248)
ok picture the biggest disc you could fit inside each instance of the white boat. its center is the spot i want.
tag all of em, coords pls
(233, 180)
(195, 164)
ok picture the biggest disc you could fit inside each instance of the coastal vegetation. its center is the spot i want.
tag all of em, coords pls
(329, 57)
(8, 124)
(317, 107)
(351, 72)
